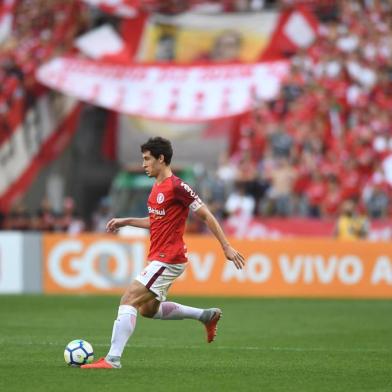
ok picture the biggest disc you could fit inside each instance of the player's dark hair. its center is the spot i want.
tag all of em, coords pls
(159, 146)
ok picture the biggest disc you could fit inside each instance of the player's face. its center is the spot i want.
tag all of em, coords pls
(151, 165)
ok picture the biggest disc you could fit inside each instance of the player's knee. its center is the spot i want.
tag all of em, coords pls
(129, 299)
(132, 297)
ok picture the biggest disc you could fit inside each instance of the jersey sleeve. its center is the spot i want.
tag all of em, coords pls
(186, 195)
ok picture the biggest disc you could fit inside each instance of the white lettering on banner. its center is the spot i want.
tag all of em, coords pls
(230, 272)
(382, 271)
(201, 268)
(202, 92)
(309, 268)
(225, 73)
(290, 270)
(176, 75)
(325, 271)
(55, 268)
(91, 265)
(258, 268)
(350, 269)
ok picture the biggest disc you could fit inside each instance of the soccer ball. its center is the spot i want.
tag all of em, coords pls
(78, 352)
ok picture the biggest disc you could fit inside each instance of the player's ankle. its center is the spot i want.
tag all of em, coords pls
(205, 316)
(115, 361)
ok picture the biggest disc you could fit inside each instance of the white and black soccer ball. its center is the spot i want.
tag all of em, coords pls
(78, 352)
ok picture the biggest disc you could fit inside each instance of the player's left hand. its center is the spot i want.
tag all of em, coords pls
(234, 256)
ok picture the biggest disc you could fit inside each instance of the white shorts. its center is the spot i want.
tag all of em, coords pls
(158, 277)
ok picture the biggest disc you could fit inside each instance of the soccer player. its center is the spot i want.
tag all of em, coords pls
(168, 206)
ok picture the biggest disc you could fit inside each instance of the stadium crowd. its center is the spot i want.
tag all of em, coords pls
(46, 218)
(320, 143)
(42, 29)
(325, 137)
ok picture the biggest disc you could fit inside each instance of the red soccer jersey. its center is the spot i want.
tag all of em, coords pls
(168, 207)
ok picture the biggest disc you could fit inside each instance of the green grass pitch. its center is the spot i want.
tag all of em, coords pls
(262, 345)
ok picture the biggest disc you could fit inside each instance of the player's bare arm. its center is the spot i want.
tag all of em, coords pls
(231, 254)
(116, 223)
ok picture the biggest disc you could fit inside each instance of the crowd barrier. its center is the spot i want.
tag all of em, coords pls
(100, 264)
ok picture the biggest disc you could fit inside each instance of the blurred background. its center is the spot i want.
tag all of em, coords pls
(322, 137)
(280, 113)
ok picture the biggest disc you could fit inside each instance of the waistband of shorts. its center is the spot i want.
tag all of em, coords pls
(168, 262)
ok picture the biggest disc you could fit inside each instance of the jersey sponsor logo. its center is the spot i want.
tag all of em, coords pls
(156, 211)
(160, 198)
(191, 192)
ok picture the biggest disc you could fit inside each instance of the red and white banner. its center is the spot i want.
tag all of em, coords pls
(277, 228)
(6, 18)
(104, 44)
(178, 93)
(42, 135)
(297, 28)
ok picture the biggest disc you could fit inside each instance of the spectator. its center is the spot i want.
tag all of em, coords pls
(65, 220)
(281, 142)
(165, 47)
(315, 193)
(239, 203)
(18, 218)
(45, 217)
(102, 216)
(279, 195)
(227, 46)
(350, 225)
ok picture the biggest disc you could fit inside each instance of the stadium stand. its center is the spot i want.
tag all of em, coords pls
(321, 142)
(325, 137)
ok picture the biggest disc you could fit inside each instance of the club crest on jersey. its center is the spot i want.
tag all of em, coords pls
(160, 198)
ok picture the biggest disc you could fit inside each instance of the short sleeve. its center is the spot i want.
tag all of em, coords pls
(186, 195)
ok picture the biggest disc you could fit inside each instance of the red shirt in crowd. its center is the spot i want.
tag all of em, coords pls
(332, 201)
(315, 193)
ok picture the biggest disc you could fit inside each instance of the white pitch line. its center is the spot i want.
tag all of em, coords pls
(216, 347)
